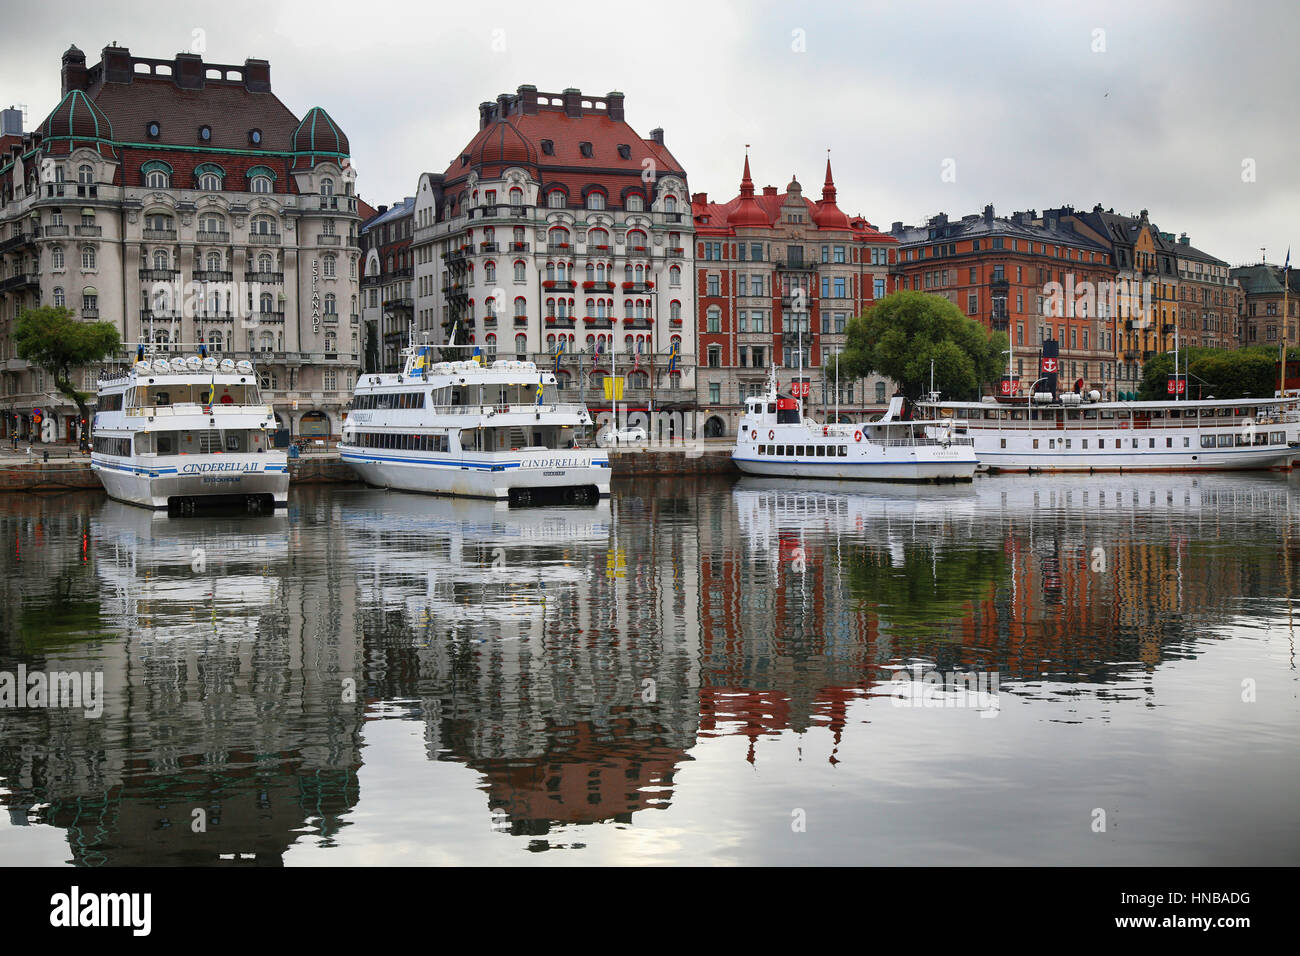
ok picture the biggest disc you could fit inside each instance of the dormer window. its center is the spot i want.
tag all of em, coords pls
(548, 147)
(255, 137)
(585, 149)
(153, 130)
(624, 151)
(205, 134)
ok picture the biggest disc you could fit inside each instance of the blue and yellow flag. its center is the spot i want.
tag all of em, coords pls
(672, 358)
(539, 391)
(422, 361)
(478, 355)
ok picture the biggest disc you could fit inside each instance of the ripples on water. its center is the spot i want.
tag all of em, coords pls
(692, 672)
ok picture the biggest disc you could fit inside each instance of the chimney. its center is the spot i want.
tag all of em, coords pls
(503, 106)
(527, 95)
(1049, 218)
(573, 102)
(614, 103)
(484, 113)
(1183, 240)
(74, 70)
(11, 122)
(657, 135)
(1144, 215)
(897, 228)
(988, 214)
(257, 76)
(769, 190)
(381, 210)
(188, 71)
(116, 61)
(701, 198)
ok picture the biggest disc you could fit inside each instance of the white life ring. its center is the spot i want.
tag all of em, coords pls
(857, 436)
(771, 434)
(753, 435)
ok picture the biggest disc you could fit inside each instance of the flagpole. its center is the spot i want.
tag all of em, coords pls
(1281, 375)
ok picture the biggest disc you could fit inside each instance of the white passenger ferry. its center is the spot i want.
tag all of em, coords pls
(178, 432)
(1075, 432)
(479, 431)
(774, 439)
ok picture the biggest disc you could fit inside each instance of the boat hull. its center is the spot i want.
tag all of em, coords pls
(1225, 459)
(162, 484)
(467, 478)
(920, 468)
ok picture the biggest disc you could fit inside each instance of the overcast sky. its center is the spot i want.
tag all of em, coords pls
(1153, 105)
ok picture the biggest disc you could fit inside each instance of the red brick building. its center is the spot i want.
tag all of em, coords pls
(776, 272)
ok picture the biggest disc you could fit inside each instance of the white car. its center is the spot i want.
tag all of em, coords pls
(623, 436)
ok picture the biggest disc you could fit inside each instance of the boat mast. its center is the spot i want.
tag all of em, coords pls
(1281, 375)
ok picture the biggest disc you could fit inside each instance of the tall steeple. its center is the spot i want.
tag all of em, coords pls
(747, 211)
(746, 184)
(828, 188)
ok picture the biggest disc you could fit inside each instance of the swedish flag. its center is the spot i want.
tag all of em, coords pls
(672, 358)
(422, 361)
(478, 355)
(539, 391)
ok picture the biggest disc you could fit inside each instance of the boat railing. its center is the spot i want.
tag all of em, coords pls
(195, 408)
(1118, 424)
(483, 411)
(919, 442)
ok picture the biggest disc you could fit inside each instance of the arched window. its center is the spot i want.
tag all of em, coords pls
(521, 345)
(158, 178)
(635, 203)
(214, 262)
(260, 184)
(327, 187)
(490, 346)
(88, 257)
(331, 342)
(265, 263)
(676, 342)
(600, 272)
(490, 272)
(550, 343)
(331, 304)
(521, 271)
(558, 236)
(56, 257)
(595, 200)
(675, 276)
(675, 310)
(58, 296)
(636, 241)
(263, 226)
(670, 204)
(85, 175)
(214, 340)
(627, 308)
(329, 267)
(555, 199)
(211, 223)
(516, 196)
(209, 177)
(489, 307)
(521, 307)
(266, 342)
(598, 238)
(161, 260)
(267, 303)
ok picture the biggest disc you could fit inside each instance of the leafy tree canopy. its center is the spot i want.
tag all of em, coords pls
(1249, 372)
(52, 338)
(900, 334)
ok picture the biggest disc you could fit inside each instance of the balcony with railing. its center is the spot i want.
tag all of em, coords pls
(54, 232)
(794, 265)
(159, 275)
(328, 239)
(19, 281)
(263, 238)
(520, 246)
(559, 285)
(13, 242)
(400, 302)
(161, 235)
(270, 318)
(209, 275)
(265, 278)
(88, 231)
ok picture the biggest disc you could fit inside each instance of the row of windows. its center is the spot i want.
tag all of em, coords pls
(402, 442)
(113, 446)
(805, 451)
(998, 243)
(387, 400)
(110, 403)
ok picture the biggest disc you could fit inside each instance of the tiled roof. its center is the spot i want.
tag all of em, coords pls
(76, 122)
(317, 138)
(229, 110)
(396, 211)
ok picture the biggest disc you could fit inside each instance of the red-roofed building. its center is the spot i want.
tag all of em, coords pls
(774, 271)
(185, 203)
(558, 228)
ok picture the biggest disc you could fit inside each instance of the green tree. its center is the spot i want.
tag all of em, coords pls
(899, 335)
(1238, 373)
(52, 338)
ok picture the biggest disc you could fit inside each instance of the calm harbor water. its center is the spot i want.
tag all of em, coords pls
(693, 672)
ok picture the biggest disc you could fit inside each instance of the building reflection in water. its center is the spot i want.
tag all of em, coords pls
(575, 658)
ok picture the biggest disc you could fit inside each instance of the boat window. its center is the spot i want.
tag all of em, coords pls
(1151, 443)
(1277, 438)
(1169, 443)
(771, 408)
(1101, 443)
(1225, 441)
(1085, 443)
(1207, 441)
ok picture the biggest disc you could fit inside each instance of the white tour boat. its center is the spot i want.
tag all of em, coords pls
(1076, 432)
(177, 432)
(466, 429)
(774, 439)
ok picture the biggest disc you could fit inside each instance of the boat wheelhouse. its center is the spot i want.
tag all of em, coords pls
(466, 429)
(179, 432)
(1071, 432)
(776, 440)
